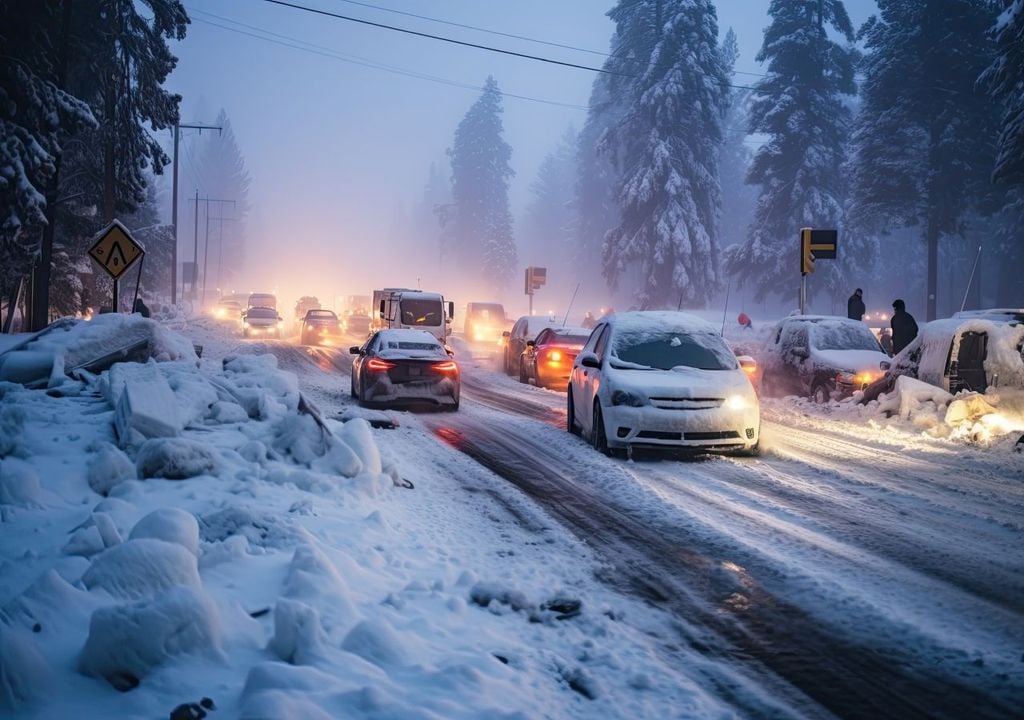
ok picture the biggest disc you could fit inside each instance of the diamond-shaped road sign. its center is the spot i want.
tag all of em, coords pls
(115, 249)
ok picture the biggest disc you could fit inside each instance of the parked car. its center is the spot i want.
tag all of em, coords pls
(821, 357)
(485, 322)
(357, 324)
(966, 353)
(547, 361)
(262, 322)
(525, 329)
(405, 367)
(304, 305)
(320, 327)
(662, 380)
(1010, 315)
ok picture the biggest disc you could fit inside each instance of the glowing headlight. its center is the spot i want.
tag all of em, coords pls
(865, 378)
(737, 402)
(280, 324)
(220, 312)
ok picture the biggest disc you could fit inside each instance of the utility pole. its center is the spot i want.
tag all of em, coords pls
(174, 204)
(206, 245)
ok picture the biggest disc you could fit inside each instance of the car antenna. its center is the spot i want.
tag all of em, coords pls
(566, 318)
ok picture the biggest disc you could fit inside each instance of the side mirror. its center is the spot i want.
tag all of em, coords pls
(451, 309)
(531, 343)
(589, 360)
(885, 365)
(800, 352)
(354, 350)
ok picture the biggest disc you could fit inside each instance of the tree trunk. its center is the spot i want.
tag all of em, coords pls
(41, 275)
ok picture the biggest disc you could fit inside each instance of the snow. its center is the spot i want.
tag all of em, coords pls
(172, 525)
(175, 458)
(142, 567)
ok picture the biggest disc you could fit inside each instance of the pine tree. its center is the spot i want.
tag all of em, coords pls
(548, 224)
(670, 78)
(1004, 79)
(923, 146)
(481, 223)
(799, 169)
(222, 168)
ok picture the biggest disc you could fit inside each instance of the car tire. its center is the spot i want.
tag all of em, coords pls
(570, 414)
(821, 394)
(352, 385)
(754, 451)
(598, 438)
(523, 377)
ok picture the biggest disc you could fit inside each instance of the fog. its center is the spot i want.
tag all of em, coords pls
(339, 153)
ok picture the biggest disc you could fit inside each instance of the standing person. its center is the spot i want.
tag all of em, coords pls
(141, 308)
(588, 321)
(904, 327)
(855, 305)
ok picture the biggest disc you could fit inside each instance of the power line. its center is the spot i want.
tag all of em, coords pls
(476, 28)
(441, 38)
(363, 62)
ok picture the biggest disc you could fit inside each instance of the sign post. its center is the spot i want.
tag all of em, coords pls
(814, 245)
(115, 250)
(536, 277)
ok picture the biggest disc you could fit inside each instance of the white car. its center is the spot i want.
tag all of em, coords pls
(661, 380)
(262, 322)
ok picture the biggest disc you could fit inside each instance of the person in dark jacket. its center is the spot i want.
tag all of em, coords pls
(855, 305)
(904, 327)
(141, 308)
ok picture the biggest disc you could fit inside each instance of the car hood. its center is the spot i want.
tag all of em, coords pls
(850, 360)
(681, 382)
(261, 321)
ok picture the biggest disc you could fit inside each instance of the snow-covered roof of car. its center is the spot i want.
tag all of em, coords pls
(658, 321)
(408, 335)
(536, 323)
(932, 348)
(994, 314)
(819, 318)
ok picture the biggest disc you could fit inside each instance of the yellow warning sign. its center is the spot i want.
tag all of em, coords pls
(115, 249)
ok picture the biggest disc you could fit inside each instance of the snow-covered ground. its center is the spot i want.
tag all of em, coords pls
(864, 566)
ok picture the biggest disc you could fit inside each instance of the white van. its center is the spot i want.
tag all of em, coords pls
(415, 309)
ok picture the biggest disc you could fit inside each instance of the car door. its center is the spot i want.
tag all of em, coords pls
(362, 357)
(793, 371)
(578, 379)
(511, 351)
(967, 370)
(592, 379)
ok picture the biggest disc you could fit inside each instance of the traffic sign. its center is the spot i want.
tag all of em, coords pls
(115, 250)
(816, 245)
(536, 278)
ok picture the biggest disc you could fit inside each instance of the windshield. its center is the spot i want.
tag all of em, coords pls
(261, 312)
(320, 315)
(260, 300)
(422, 312)
(568, 340)
(485, 311)
(421, 347)
(843, 336)
(664, 351)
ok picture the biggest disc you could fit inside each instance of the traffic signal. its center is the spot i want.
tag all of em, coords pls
(806, 255)
(536, 278)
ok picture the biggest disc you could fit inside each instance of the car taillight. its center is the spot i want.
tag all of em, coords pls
(446, 366)
(554, 356)
(378, 365)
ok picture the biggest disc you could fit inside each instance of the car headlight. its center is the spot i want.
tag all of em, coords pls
(624, 397)
(737, 402)
(280, 324)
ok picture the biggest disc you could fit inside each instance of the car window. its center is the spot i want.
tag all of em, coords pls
(602, 343)
(371, 343)
(843, 336)
(592, 340)
(670, 349)
(544, 336)
(518, 329)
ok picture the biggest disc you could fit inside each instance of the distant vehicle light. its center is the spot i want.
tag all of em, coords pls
(280, 324)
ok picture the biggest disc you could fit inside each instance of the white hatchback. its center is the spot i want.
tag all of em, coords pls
(662, 380)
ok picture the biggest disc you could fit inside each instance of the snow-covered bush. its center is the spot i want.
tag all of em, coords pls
(109, 467)
(170, 525)
(141, 568)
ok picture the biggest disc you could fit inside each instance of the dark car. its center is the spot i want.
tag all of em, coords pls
(548, 359)
(320, 327)
(820, 357)
(405, 367)
(525, 329)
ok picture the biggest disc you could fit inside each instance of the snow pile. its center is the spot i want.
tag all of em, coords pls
(913, 398)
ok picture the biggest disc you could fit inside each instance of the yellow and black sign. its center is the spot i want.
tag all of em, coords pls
(816, 245)
(116, 250)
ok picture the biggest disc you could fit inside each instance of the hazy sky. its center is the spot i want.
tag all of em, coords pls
(335, 148)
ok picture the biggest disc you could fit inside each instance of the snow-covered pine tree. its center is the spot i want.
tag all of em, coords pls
(669, 75)
(1004, 79)
(548, 225)
(799, 106)
(222, 168)
(596, 210)
(481, 223)
(923, 142)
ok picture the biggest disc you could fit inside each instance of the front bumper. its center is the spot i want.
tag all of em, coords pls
(718, 428)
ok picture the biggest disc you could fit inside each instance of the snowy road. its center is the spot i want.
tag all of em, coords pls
(851, 570)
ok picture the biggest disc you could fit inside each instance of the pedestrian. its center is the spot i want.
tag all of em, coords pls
(855, 305)
(140, 308)
(904, 327)
(588, 321)
(745, 321)
(885, 339)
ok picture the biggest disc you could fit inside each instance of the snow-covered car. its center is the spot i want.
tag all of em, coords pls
(961, 354)
(822, 357)
(548, 359)
(262, 322)
(525, 329)
(485, 322)
(320, 327)
(1010, 315)
(661, 380)
(357, 324)
(405, 367)
(304, 305)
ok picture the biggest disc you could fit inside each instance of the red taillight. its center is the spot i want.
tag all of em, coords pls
(446, 366)
(378, 365)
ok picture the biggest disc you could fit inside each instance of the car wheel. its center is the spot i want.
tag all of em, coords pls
(352, 384)
(362, 392)
(597, 433)
(821, 394)
(523, 377)
(570, 415)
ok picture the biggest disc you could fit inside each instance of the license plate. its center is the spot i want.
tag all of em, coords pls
(414, 372)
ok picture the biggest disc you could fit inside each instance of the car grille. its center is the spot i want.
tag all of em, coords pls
(713, 435)
(658, 435)
(669, 403)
